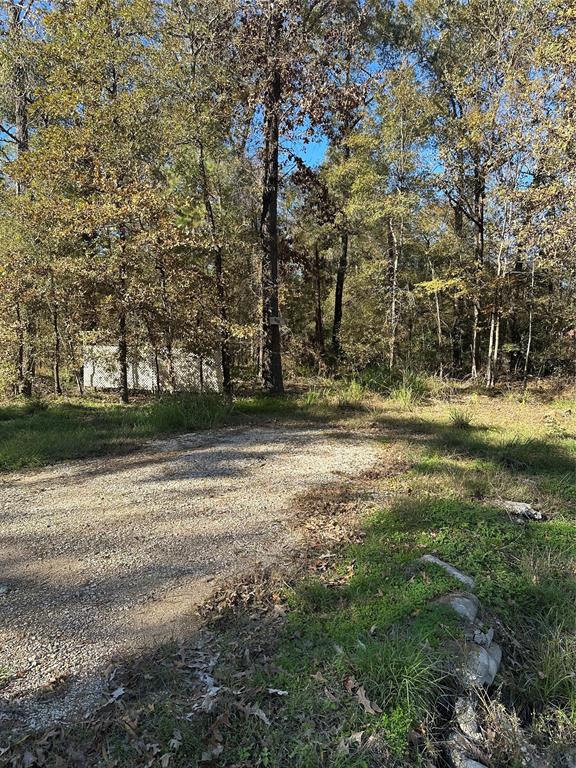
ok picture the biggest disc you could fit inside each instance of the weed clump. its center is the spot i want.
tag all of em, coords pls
(460, 418)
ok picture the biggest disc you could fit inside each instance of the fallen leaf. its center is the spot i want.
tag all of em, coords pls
(115, 695)
(350, 683)
(209, 754)
(176, 741)
(257, 712)
(369, 707)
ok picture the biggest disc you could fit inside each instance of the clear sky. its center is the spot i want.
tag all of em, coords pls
(313, 152)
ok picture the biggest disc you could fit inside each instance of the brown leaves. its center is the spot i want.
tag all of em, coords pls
(354, 687)
(369, 707)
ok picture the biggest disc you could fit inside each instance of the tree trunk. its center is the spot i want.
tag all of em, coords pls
(21, 351)
(225, 354)
(474, 345)
(496, 348)
(456, 332)
(30, 360)
(344, 241)
(57, 342)
(271, 367)
(168, 329)
(318, 320)
(439, 338)
(479, 202)
(530, 323)
(456, 338)
(26, 364)
(339, 294)
(393, 285)
(157, 371)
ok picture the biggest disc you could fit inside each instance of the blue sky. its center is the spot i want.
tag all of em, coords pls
(313, 152)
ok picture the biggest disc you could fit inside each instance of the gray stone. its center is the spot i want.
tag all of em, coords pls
(481, 665)
(519, 508)
(465, 606)
(465, 714)
(484, 638)
(3, 589)
(454, 572)
(458, 748)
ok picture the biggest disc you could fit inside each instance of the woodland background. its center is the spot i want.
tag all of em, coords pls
(352, 186)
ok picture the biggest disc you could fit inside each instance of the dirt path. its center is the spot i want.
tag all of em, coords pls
(101, 557)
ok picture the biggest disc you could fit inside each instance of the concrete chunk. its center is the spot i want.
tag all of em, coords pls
(481, 665)
(454, 572)
(465, 606)
(519, 508)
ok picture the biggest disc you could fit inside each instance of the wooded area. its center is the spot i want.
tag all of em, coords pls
(314, 185)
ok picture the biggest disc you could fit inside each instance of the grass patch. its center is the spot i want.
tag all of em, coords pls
(40, 432)
(460, 418)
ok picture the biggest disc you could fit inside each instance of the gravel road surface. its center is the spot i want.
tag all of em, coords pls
(101, 557)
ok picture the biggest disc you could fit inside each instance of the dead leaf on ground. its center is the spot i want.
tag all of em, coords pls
(370, 707)
(252, 709)
(350, 683)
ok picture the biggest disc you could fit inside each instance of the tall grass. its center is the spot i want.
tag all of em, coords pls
(460, 418)
(40, 432)
(405, 386)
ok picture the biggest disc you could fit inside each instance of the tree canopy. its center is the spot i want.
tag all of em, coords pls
(321, 185)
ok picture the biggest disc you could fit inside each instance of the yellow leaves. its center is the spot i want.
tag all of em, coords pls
(438, 285)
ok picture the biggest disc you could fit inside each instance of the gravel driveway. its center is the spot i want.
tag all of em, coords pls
(101, 557)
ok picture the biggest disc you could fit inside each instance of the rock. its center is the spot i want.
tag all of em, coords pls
(519, 508)
(484, 638)
(465, 715)
(465, 605)
(3, 589)
(458, 748)
(481, 665)
(454, 572)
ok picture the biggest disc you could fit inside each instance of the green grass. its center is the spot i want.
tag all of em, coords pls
(41, 432)
(372, 616)
(38, 432)
(460, 418)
